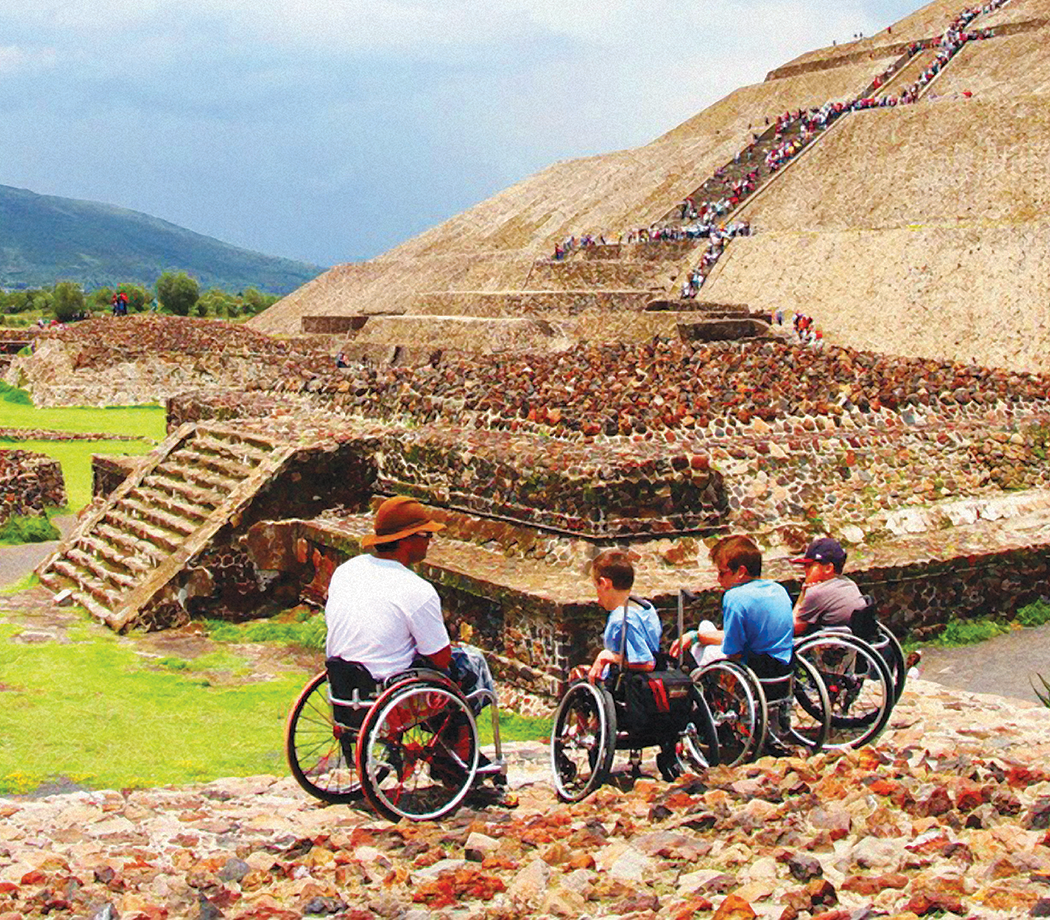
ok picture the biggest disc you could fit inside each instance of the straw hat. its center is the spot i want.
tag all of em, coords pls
(400, 517)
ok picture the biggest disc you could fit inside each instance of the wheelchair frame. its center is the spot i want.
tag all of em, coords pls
(587, 733)
(414, 755)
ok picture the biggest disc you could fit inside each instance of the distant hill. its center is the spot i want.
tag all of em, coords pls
(44, 239)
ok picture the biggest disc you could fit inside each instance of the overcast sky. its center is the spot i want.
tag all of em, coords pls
(331, 130)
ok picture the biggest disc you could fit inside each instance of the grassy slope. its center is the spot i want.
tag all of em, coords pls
(111, 718)
(48, 239)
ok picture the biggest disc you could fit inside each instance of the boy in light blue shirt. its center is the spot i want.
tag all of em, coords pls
(613, 577)
(757, 618)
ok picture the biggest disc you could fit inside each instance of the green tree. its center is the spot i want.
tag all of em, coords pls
(177, 292)
(68, 301)
(214, 302)
(17, 302)
(102, 298)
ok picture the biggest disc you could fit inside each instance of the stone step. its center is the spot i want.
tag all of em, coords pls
(205, 478)
(118, 538)
(97, 568)
(225, 465)
(244, 451)
(165, 540)
(55, 582)
(173, 522)
(87, 584)
(238, 440)
(204, 498)
(112, 554)
(171, 503)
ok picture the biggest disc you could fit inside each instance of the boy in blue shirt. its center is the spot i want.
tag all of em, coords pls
(613, 575)
(758, 624)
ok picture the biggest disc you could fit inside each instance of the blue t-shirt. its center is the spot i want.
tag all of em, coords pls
(643, 633)
(757, 619)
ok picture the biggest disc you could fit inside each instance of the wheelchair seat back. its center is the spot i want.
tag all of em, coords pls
(863, 623)
(352, 691)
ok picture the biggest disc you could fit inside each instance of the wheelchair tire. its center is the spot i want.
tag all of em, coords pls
(316, 748)
(811, 711)
(858, 683)
(737, 706)
(886, 644)
(698, 744)
(417, 752)
(583, 741)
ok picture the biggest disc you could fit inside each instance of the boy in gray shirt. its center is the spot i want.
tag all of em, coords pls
(828, 598)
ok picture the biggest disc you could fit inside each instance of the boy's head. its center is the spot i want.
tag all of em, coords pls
(612, 573)
(730, 554)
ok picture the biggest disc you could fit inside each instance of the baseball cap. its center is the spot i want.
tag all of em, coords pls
(823, 549)
(400, 517)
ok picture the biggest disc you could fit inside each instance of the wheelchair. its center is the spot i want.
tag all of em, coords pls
(864, 624)
(630, 710)
(594, 721)
(753, 715)
(409, 746)
(859, 686)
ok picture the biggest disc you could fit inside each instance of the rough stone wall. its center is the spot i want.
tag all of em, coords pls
(29, 483)
(598, 490)
(108, 472)
(595, 274)
(528, 303)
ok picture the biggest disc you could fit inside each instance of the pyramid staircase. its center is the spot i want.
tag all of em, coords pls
(122, 554)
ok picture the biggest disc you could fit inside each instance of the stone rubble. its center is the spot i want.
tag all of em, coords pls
(948, 812)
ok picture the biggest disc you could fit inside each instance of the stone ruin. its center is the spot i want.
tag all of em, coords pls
(29, 483)
(934, 474)
(546, 408)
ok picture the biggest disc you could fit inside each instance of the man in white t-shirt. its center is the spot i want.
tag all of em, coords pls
(383, 616)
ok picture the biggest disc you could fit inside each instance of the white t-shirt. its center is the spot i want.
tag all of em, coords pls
(380, 614)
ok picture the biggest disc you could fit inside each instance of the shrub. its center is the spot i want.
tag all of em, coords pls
(68, 301)
(968, 632)
(20, 529)
(1035, 614)
(14, 395)
(178, 293)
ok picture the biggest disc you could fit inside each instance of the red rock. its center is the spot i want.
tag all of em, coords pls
(734, 908)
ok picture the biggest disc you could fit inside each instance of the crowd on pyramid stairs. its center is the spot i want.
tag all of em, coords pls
(709, 211)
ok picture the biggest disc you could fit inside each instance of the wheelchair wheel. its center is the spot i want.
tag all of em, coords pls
(698, 746)
(583, 741)
(320, 751)
(889, 648)
(738, 708)
(810, 713)
(858, 684)
(417, 751)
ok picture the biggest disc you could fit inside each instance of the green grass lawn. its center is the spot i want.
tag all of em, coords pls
(95, 712)
(147, 423)
(140, 421)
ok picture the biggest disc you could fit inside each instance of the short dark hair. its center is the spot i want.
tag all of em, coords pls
(615, 565)
(735, 551)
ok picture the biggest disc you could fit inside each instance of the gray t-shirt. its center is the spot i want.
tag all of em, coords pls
(830, 603)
